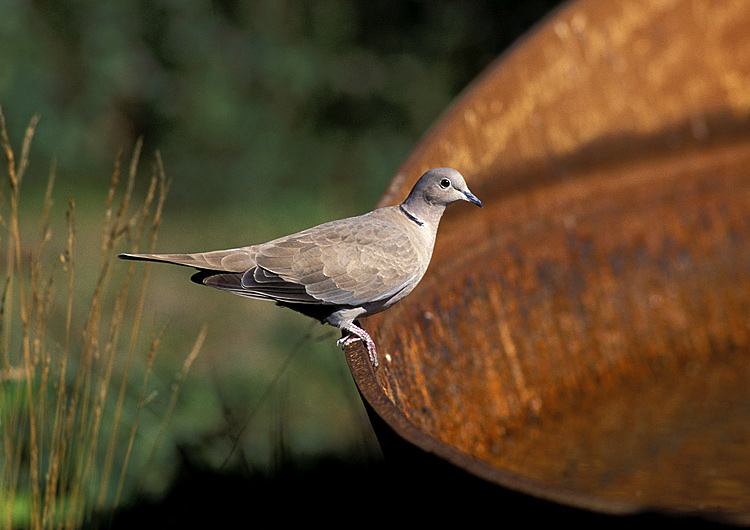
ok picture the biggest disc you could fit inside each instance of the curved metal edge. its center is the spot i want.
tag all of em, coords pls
(384, 414)
(445, 474)
(390, 416)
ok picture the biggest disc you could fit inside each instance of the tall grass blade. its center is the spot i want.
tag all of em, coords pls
(67, 374)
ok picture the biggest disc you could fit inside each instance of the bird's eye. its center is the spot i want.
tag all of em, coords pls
(445, 184)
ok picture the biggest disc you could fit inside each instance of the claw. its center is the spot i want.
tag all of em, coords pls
(357, 333)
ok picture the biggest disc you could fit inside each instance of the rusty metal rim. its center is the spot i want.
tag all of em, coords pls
(399, 422)
(366, 381)
(364, 377)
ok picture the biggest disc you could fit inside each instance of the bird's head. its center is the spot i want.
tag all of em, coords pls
(440, 187)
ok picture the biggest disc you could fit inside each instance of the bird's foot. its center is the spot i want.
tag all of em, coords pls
(357, 333)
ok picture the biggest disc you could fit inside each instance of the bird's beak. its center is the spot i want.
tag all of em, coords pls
(473, 199)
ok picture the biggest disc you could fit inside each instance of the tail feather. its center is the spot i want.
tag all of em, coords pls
(232, 260)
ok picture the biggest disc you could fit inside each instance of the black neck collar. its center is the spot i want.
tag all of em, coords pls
(411, 216)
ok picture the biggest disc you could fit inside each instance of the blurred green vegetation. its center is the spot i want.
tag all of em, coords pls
(254, 103)
(270, 116)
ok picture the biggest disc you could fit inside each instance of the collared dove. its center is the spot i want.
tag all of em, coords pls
(342, 270)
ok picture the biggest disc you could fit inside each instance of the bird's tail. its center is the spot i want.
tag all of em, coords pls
(232, 260)
(188, 260)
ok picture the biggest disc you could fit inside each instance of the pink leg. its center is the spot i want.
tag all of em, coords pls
(357, 333)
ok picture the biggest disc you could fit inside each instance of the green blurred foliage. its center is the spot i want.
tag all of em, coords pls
(251, 103)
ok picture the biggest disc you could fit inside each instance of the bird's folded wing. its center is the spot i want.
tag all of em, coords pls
(348, 262)
(268, 287)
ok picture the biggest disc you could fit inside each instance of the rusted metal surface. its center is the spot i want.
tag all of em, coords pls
(586, 337)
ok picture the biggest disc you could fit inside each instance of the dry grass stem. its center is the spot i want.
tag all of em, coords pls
(66, 380)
